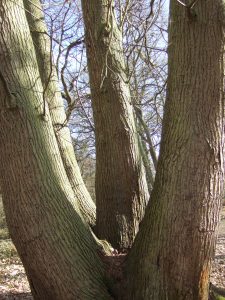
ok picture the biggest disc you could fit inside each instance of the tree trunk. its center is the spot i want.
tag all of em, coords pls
(171, 257)
(52, 95)
(121, 188)
(56, 247)
(147, 164)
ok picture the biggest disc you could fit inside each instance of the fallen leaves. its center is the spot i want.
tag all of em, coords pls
(13, 280)
(14, 284)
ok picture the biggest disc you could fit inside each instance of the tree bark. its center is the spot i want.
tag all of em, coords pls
(171, 257)
(52, 95)
(121, 188)
(54, 243)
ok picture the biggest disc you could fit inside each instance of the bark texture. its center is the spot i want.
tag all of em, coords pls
(171, 257)
(56, 247)
(53, 97)
(121, 188)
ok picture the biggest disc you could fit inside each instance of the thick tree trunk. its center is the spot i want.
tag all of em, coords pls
(172, 254)
(121, 188)
(56, 247)
(57, 112)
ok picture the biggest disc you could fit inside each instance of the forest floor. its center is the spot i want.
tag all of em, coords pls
(14, 284)
(218, 269)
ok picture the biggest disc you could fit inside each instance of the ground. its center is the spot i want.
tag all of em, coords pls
(218, 270)
(13, 281)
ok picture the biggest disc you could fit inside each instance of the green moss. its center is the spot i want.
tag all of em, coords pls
(4, 234)
(217, 297)
(216, 293)
(7, 249)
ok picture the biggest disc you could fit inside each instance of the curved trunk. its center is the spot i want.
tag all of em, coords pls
(52, 95)
(121, 188)
(56, 247)
(172, 254)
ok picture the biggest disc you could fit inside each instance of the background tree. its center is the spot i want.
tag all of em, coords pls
(121, 188)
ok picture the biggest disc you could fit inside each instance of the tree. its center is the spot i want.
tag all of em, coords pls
(121, 188)
(52, 95)
(172, 254)
(54, 243)
(170, 258)
(144, 35)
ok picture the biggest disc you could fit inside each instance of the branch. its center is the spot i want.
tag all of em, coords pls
(148, 136)
(67, 96)
(123, 17)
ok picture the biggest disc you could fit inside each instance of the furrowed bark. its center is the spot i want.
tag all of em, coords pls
(121, 188)
(52, 95)
(171, 257)
(52, 239)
